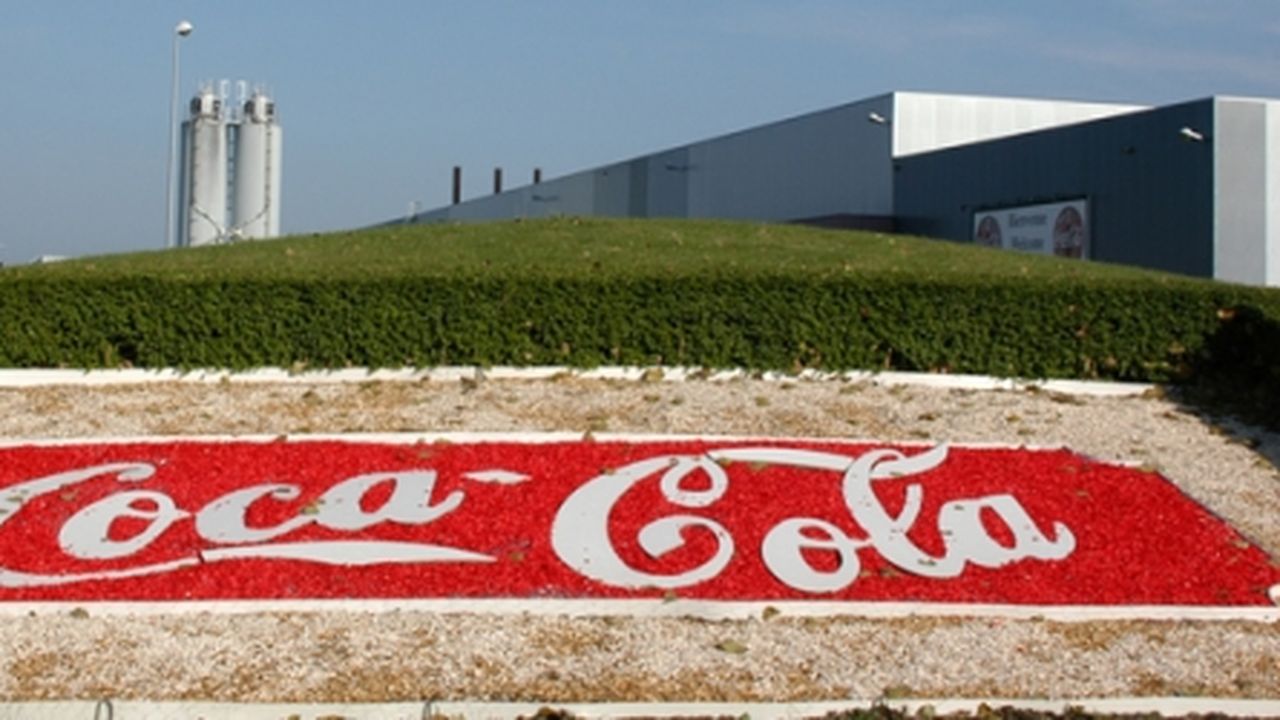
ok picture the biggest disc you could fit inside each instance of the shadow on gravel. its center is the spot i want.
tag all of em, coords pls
(1234, 385)
(1225, 417)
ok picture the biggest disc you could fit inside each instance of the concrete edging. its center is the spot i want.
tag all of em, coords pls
(711, 610)
(107, 709)
(37, 377)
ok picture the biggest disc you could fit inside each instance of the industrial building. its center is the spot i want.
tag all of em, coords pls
(1189, 188)
(229, 184)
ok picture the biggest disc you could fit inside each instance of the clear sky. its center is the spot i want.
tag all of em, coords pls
(380, 98)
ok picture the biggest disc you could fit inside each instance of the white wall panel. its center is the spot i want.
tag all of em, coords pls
(925, 122)
(1240, 189)
(1272, 194)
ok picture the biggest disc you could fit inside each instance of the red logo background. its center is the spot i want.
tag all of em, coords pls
(1139, 540)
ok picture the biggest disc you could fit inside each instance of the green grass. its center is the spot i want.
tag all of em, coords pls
(588, 247)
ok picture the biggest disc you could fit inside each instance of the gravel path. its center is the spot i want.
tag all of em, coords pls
(410, 655)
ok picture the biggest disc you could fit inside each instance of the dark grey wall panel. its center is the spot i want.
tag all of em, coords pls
(668, 184)
(1150, 190)
(638, 198)
(611, 193)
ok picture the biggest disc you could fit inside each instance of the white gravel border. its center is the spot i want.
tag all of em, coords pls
(107, 709)
(410, 438)
(21, 378)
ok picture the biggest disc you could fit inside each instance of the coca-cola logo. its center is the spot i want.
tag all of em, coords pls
(703, 518)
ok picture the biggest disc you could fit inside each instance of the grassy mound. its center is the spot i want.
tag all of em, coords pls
(585, 248)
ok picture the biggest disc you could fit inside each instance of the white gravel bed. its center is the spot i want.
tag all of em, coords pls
(398, 656)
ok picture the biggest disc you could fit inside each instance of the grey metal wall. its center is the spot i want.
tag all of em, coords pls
(833, 164)
(1150, 190)
(1244, 163)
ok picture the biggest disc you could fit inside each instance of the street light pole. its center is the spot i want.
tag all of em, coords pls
(180, 30)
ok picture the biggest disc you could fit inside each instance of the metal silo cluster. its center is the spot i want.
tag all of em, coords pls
(229, 185)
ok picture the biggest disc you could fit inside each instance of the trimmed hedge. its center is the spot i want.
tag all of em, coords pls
(592, 292)
(1123, 330)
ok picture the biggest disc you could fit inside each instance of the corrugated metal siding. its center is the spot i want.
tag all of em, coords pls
(1150, 190)
(925, 122)
(827, 163)
(832, 162)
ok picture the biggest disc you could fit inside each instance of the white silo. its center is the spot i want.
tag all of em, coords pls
(256, 202)
(203, 190)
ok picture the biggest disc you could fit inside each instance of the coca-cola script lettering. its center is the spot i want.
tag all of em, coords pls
(85, 535)
(743, 520)
(580, 533)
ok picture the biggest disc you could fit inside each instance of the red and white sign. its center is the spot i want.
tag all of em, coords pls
(712, 519)
(1060, 229)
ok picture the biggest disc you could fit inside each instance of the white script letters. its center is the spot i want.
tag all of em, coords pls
(581, 539)
(86, 535)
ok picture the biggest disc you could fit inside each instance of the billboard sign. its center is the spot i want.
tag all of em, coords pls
(1060, 228)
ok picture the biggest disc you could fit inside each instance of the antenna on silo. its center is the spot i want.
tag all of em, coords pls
(242, 95)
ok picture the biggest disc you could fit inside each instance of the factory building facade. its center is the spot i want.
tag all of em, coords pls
(1192, 188)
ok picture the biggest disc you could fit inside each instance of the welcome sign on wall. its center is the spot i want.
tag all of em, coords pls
(548, 517)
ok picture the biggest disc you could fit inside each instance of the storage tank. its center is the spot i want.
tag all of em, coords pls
(256, 206)
(203, 196)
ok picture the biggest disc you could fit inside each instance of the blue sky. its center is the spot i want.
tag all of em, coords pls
(379, 99)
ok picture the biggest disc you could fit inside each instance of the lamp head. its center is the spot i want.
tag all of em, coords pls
(1191, 135)
(184, 28)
